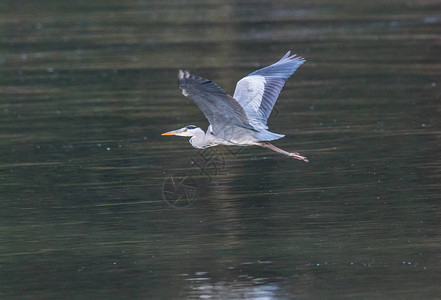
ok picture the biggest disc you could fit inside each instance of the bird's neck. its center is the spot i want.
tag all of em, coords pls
(200, 140)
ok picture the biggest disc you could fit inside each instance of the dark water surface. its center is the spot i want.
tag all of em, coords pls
(88, 185)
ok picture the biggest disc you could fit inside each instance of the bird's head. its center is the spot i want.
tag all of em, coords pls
(189, 130)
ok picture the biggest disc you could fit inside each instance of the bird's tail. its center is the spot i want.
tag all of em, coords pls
(266, 135)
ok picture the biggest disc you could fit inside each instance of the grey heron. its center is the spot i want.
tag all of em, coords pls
(240, 120)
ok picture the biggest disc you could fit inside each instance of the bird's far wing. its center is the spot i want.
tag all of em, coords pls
(257, 92)
(221, 109)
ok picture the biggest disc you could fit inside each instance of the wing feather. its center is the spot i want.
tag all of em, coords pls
(257, 92)
(220, 109)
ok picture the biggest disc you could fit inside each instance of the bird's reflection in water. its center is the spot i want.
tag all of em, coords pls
(244, 287)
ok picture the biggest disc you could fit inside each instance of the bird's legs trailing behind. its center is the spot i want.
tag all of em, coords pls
(274, 148)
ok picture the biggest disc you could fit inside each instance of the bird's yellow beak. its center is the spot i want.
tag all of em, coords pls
(173, 132)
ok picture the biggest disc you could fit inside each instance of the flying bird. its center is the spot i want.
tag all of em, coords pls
(240, 120)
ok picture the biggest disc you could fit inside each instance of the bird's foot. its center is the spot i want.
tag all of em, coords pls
(298, 156)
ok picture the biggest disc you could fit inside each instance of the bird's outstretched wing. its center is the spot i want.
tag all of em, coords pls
(257, 92)
(221, 109)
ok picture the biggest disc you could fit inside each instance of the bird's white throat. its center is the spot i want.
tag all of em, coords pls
(199, 139)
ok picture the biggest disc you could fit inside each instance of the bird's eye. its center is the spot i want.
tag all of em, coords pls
(185, 129)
